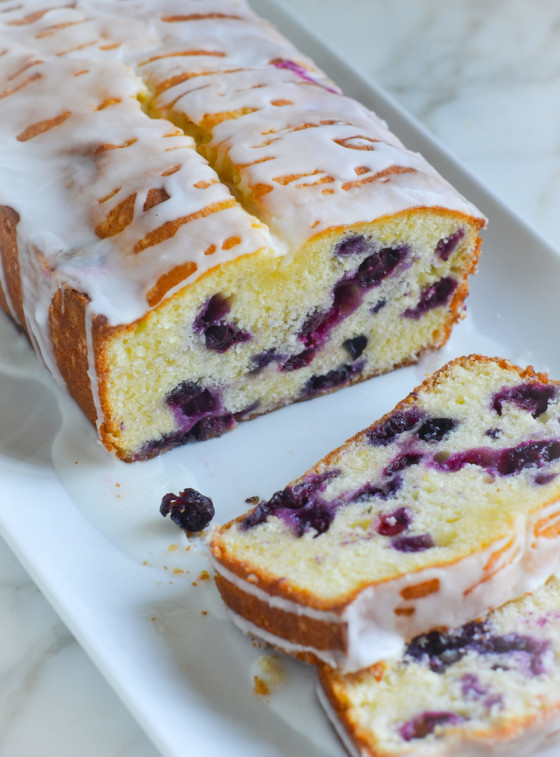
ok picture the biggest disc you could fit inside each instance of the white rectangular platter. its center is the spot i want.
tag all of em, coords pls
(127, 582)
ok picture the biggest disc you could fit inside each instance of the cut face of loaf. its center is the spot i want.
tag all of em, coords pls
(486, 688)
(447, 506)
(198, 228)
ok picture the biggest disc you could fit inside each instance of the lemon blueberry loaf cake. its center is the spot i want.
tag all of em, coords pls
(197, 227)
(487, 688)
(446, 507)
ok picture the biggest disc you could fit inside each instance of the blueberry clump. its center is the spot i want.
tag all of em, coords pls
(529, 651)
(355, 346)
(206, 428)
(347, 296)
(534, 398)
(298, 506)
(316, 328)
(445, 246)
(199, 412)
(219, 335)
(262, 359)
(401, 462)
(436, 429)
(541, 479)
(298, 361)
(216, 425)
(193, 402)
(354, 245)
(383, 491)
(393, 523)
(432, 297)
(336, 377)
(417, 543)
(426, 723)
(439, 650)
(506, 461)
(384, 433)
(189, 509)
(527, 455)
(214, 310)
(388, 488)
(377, 267)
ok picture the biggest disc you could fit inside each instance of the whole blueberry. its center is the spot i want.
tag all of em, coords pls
(189, 509)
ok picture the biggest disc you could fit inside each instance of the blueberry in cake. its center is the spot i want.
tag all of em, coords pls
(198, 227)
(446, 507)
(487, 688)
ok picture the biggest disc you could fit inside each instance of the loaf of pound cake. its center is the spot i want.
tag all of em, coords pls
(447, 506)
(490, 687)
(198, 227)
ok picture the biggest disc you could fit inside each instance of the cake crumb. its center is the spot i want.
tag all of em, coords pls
(271, 671)
(172, 548)
(204, 575)
(260, 688)
(204, 612)
(178, 571)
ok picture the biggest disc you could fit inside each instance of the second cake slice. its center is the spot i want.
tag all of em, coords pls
(446, 507)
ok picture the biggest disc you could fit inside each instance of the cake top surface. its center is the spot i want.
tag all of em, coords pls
(119, 202)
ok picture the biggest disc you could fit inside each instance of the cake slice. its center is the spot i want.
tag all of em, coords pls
(444, 508)
(490, 687)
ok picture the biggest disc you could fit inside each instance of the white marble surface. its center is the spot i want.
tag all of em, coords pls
(485, 79)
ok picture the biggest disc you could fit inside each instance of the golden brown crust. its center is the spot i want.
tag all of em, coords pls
(9, 220)
(68, 328)
(67, 322)
(298, 629)
(3, 301)
(67, 318)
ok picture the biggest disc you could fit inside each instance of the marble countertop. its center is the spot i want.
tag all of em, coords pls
(484, 78)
